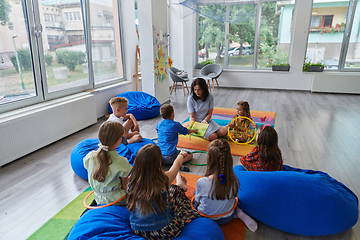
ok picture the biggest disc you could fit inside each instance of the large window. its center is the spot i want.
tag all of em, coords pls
(105, 43)
(256, 35)
(56, 59)
(330, 41)
(353, 52)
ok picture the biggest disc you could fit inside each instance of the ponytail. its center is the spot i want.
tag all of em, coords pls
(109, 134)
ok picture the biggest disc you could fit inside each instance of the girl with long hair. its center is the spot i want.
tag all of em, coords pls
(267, 155)
(216, 192)
(158, 210)
(242, 130)
(200, 106)
(107, 171)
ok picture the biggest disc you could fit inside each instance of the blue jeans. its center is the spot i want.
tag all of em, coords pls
(223, 221)
(169, 159)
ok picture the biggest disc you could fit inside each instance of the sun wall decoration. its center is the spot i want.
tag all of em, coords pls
(160, 64)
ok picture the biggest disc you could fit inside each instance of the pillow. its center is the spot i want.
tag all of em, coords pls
(141, 104)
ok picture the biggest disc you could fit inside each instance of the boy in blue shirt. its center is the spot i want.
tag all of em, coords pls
(168, 131)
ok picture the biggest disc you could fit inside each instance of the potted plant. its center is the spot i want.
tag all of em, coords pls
(202, 64)
(313, 67)
(281, 67)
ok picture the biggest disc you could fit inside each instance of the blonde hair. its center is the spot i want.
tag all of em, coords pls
(109, 133)
(116, 102)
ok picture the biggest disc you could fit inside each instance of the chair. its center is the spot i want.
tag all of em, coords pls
(178, 78)
(211, 71)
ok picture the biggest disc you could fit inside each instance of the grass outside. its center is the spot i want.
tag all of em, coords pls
(244, 61)
(10, 82)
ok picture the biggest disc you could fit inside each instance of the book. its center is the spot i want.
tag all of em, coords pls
(202, 127)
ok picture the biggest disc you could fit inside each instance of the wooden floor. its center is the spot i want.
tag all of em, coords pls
(316, 131)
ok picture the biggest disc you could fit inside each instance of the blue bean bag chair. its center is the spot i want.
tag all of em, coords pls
(297, 201)
(84, 147)
(141, 104)
(113, 223)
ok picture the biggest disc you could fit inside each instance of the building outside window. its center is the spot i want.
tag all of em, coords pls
(33, 71)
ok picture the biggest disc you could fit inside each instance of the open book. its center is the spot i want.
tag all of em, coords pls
(202, 127)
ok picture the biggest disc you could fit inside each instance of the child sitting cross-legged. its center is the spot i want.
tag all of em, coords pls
(216, 192)
(267, 155)
(158, 210)
(119, 106)
(107, 171)
(168, 131)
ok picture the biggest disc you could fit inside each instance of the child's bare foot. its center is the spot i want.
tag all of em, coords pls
(181, 182)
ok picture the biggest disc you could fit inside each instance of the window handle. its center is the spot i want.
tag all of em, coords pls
(37, 30)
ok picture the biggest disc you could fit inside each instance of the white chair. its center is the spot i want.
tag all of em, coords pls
(211, 71)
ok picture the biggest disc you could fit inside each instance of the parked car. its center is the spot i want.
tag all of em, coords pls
(245, 51)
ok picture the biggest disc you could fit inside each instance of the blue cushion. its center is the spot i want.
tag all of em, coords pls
(303, 202)
(141, 104)
(84, 147)
(113, 223)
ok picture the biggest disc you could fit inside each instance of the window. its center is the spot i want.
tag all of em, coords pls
(321, 21)
(31, 73)
(253, 41)
(106, 50)
(275, 33)
(326, 41)
(352, 60)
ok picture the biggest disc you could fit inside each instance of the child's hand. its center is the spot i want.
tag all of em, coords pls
(253, 125)
(204, 121)
(195, 130)
(184, 154)
(231, 124)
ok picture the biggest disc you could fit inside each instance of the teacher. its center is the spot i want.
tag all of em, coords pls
(200, 106)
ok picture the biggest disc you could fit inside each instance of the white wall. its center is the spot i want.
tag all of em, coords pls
(183, 51)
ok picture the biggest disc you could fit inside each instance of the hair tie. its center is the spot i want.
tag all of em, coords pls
(222, 178)
(103, 147)
(265, 125)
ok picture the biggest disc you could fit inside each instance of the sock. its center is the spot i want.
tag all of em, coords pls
(249, 222)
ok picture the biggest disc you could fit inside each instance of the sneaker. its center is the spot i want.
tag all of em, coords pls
(184, 168)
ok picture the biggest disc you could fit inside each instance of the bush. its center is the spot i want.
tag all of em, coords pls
(71, 60)
(25, 59)
(13, 61)
(48, 59)
(60, 54)
(207, 61)
(81, 57)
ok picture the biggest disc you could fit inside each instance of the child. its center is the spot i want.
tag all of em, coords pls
(216, 192)
(158, 210)
(241, 128)
(119, 106)
(107, 171)
(168, 131)
(267, 155)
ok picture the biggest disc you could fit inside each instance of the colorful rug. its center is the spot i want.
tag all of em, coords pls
(223, 116)
(59, 226)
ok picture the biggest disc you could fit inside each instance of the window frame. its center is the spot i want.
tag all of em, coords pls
(256, 37)
(31, 14)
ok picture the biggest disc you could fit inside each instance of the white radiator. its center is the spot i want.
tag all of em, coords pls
(336, 82)
(37, 126)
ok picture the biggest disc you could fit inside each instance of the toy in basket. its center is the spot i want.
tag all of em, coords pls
(242, 131)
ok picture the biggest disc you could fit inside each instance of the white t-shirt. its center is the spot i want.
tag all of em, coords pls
(114, 118)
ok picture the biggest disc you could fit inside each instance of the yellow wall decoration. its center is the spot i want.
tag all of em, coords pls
(160, 64)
